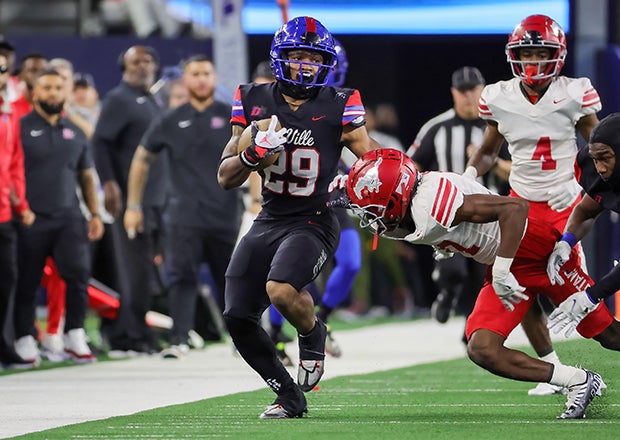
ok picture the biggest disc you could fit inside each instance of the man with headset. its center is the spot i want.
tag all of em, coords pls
(126, 113)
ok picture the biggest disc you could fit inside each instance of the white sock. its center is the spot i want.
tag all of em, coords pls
(552, 358)
(565, 376)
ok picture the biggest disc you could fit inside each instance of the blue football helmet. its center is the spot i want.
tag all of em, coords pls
(336, 76)
(302, 33)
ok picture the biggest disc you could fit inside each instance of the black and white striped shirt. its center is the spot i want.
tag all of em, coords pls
(441, 145)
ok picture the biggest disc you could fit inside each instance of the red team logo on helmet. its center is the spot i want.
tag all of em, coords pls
(536, 31)
(380, 187)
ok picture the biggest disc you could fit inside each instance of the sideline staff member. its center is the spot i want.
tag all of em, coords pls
(56, 157)
(126, 112)
(202, 219)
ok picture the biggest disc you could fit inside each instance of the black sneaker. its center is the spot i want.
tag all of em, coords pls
(580, 395)
(442, 306)
(287, 406)
(312, 357)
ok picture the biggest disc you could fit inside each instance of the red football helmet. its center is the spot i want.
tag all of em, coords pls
(536, 31)
(380, 186)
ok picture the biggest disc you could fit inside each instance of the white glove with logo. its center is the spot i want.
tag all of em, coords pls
(570, 313)
(559, 256)
(264, 143)
(506, 286)
(564, 195)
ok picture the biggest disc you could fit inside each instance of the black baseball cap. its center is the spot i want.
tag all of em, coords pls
(4, 44)
(467, 78)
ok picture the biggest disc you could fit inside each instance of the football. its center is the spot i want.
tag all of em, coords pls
(246, 139)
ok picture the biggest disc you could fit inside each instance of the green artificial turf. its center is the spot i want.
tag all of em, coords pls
(445, 400)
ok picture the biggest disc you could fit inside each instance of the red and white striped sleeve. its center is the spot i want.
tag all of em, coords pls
(590, 98)
(483, 109)
(448, 199)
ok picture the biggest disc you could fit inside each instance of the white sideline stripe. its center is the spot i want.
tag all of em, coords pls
(38, 400)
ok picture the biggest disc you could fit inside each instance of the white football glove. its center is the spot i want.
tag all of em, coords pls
(442, 254)
(564, 195)
(506, 286)
(470, 172)
(339, 182)
(559, 256)
(264, 143)
(570, 313)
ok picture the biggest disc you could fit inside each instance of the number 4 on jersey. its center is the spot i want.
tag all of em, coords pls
(543, 153)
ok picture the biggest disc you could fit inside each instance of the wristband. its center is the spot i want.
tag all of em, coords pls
(594, 301)
(569, 238)
(246, 162)
(501, 266)
(134, 207)
(95, 214)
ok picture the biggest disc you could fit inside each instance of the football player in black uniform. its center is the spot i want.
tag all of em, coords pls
(295, 233)
(600, 177)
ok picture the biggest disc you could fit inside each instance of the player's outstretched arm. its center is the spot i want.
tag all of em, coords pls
(485, 157)
(358, 141)
(579, 224)
(511, 213)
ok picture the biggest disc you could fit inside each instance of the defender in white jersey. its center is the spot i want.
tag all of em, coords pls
(456, 214)
(537, 113)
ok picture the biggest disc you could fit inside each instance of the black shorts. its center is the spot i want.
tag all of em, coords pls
(345, 220)
(291, 250)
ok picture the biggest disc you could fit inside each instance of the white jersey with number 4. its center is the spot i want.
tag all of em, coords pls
(541, 137)
(437, 198)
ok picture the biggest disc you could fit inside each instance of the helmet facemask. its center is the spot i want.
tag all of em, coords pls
(535, 72)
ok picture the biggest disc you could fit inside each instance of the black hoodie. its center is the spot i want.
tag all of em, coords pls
(605, 193)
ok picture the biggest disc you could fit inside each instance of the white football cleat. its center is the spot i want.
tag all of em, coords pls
(580, 395)
(311, 357)
(546, 389)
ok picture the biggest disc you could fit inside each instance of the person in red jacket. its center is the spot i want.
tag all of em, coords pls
(12, 200)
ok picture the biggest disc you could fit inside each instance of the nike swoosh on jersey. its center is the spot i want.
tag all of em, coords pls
(557, 101)
(36, 133)
(184, 124)
(318, 118)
